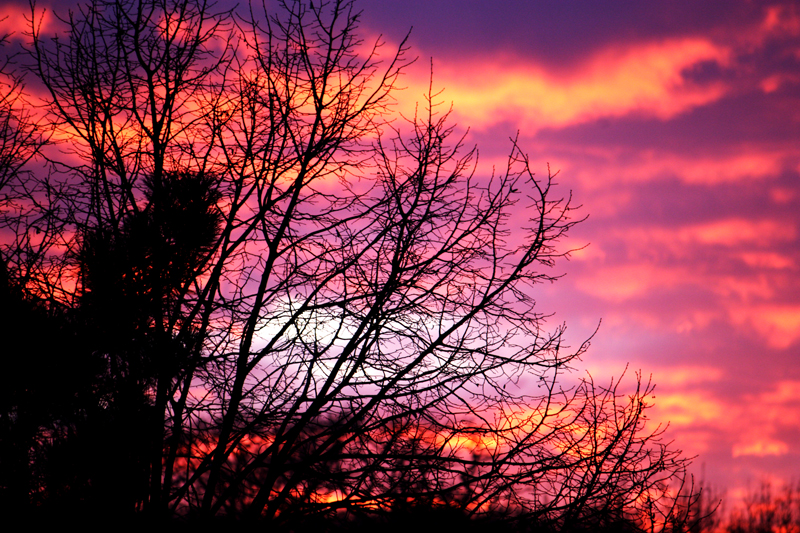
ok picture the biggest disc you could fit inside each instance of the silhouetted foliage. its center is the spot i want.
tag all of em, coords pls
(133, 280)
(48, 392)
(293, 309)
(766, 510)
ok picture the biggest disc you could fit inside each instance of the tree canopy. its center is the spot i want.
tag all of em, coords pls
(286, 302)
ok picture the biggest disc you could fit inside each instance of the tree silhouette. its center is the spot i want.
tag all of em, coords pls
(766, 510)
(133, 285)
(304, 308)
(20, 138)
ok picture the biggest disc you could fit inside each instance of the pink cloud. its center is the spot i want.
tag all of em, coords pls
(781, 20)
(783, 195)
(744, 164)
(618, 283)
(617, 279)
(768, 260)
(15, 20)
(736, 231)
(728, 232)
(777, 325)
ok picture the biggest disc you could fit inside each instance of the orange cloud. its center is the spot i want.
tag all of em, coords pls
(618, 81)
(647, 78)
(690, 408)
(620, 283)
(704, 420)
(688, 375)
(760, 448)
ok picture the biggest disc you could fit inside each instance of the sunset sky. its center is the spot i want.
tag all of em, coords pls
(676, 125)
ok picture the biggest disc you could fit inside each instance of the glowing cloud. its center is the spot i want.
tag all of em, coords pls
(688, 375)
(15, 20)
(779, 326)
(760, 448)
(622, 282)
(690, 408)
(745, 164)
(649, 78)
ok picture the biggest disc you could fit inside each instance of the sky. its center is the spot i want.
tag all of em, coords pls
(676, 125)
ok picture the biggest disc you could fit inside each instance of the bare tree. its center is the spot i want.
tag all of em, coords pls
(22, 136)
(19, 138)
(766, 510)
(125, 86)
(357, 329)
